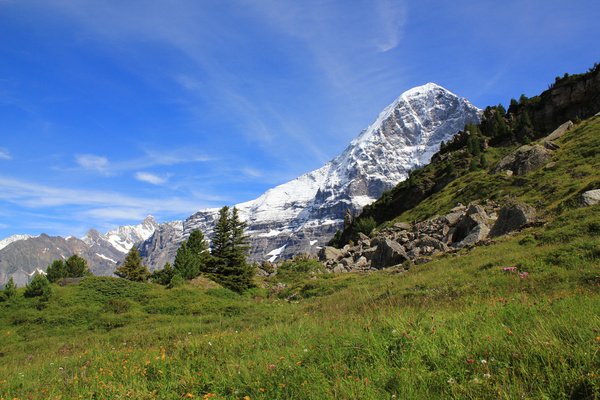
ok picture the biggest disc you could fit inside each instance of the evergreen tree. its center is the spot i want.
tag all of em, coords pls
(9, 290)
(228, 250)
(163, 276)
(73, 267)
(132, 268)
(76, 267)
(56, 271)
(483, 162)
(39, 287)
(192, 256)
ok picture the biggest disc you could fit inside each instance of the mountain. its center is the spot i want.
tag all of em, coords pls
(21, 255)
(302, 215)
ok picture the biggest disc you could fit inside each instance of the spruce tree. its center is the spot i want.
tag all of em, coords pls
(132, 268)
(163, 276)
(39, 287)
(228, 249)
(192, 256)
(76, 267)
(56, 271)
(9, 290)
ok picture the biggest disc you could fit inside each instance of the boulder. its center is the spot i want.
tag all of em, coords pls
(402, 226)
(474, 216)
(388, 253)
(589, 198)
(512, 218)
(426, 243)
(477, 234)
(523, 160)
(558, 132)
(329, 253)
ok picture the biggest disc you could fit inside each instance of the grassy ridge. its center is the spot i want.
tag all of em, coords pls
(516, 318)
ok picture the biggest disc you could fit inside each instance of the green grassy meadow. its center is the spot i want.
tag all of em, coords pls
(514, 318)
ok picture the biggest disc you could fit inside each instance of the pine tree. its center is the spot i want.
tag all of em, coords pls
(163, 276)
(73, 267)
(76, 267)
(132, 268)
(39, 287)
(228, 249)
(56, 271)
(9, 290)
(192, 256)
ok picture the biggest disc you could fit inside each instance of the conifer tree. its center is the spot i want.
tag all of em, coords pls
(192, 256)
(228, 249)
(73, 267)
(132, 268)
(39, 287)
(163, 276)
(56, 271)
(9, 290)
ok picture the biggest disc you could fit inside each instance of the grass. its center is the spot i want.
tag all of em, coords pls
(517, 318)
(458, 327)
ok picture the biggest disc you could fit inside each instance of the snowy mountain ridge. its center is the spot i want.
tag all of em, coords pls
(303, 214)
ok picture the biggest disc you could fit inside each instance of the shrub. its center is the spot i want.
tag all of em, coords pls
(39, 287)
(365, 225)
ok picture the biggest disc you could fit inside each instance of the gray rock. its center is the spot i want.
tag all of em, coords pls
(551, 146)
(558, 132)
(329, 253)
(388, 253)
(523, 160)
(402, 226)
(454, 217)
(338, 269)
(476, 234)
(426, 243)
(589, 198)
(512, 218)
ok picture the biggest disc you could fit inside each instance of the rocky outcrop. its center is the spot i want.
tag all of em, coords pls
(590, 198)
(391, 247)
(523, 160)
(512, 218)
(559, 132)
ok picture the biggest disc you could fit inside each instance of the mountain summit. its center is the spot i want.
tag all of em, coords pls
(303, 214)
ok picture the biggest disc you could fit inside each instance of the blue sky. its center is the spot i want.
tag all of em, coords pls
(114, 110)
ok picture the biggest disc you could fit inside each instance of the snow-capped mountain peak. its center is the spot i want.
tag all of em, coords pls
(303, 214)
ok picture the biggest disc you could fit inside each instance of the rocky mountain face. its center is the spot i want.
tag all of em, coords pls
(22, 255)
(302, 215)
(569, 98)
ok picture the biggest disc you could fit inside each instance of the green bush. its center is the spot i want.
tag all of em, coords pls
(39, 287)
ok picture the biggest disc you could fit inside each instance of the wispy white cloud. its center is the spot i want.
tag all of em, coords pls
(36, 196)
(93, 162)
(392, 18)
(4, 155)
(151, 178)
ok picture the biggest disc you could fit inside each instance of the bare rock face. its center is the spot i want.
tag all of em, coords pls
(590, 198)
(559, 132)
(388, 253)
(512, 218)
(523, 160)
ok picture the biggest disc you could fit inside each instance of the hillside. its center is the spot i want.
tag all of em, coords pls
(511, 317)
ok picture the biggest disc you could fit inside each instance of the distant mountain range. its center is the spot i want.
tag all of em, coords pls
(298, 216)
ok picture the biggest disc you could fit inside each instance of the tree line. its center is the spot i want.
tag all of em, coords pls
(224, 262)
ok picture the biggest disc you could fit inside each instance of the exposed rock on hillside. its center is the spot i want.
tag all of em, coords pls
(590, 198)
(463, 226)
(523, 160)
